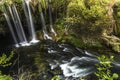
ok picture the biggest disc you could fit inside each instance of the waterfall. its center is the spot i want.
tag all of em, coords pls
(18, 25)
(46, 36)
(30, 21)
(10, 26)
(50, 16)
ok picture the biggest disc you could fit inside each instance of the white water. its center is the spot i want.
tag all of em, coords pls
(45, 33)
(51, 23)
(87, 53)
(79, 66)
(17, 45)
(18, 25)
(10, 26)
(74, 71)
(26, 14)
(24, 44)
(20, 34)
(30, 21)
(71, 64)
(76, 67)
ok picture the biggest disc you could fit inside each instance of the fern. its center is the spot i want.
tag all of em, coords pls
(5, 61)
(104, 72)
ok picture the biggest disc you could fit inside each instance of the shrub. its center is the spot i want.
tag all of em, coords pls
(104, 72)
(4, 61)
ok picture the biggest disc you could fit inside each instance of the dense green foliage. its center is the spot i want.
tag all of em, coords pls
(94, 22)
(116, 15)
(4, 61)
(88, 18)
(104, 72)
(5, 77)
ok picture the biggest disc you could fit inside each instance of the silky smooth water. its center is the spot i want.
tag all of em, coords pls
(45, 33)
(10, 26)
(17, 23)
(73, 61)
(51, 22)
(28, 14)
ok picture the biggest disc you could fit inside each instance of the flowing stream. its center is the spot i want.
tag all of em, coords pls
(73, 61)
(28, 15)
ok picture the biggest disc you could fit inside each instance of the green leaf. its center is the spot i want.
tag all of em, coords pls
(115, 76)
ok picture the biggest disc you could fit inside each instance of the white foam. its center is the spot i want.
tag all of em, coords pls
(24, 44)
(89, 54)
(52, 51)
(34, 41)
(73, 68)
(75, 71)
(52, 30)
(17, 45)
(47, 37)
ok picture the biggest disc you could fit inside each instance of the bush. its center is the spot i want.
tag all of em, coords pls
(4, 61)
(104, 72)
(88, 17)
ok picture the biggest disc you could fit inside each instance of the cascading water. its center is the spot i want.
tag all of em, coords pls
(26, 14)
(30, 21)
(73, 61)
(79, 66)
(50, 16)
(18, 25)
(10, 26)
(45, 33)
(19, 22)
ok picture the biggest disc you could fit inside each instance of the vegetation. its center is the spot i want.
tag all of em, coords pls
(81, 13)
(104, 72)
(56, 78)
(87, 24)
(4, 62)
